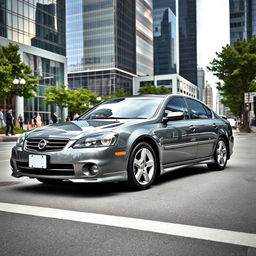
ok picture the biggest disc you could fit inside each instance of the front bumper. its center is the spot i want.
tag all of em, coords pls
(69, 163)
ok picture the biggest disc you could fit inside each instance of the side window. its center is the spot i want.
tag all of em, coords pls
(198, 110)
(178, 104)
(208, 112)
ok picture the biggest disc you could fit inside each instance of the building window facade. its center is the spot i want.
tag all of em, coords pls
(50, 73)
(39, 23)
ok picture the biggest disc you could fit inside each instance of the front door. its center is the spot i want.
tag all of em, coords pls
(177, 138)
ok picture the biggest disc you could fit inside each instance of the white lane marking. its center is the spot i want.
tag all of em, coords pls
(210, 234)
(9, 151)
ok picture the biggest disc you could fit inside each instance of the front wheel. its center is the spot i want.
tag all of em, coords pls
(220, 156)
(142, 167)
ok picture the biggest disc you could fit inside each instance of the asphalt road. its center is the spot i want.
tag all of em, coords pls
(195, 197)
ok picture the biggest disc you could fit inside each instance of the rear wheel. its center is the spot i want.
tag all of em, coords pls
(142, 167)
(50, 181)
(220, 156)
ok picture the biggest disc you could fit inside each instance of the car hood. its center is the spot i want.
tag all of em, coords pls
(80, 128)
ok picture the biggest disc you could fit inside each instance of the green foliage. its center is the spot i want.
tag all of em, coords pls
(236, 67)
(77, 101)
(80, 100)
(151, 89)
(12, 67)
(119, 93)
(57, 95)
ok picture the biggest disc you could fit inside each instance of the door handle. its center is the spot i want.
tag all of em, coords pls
(215, 126)
(192, 128)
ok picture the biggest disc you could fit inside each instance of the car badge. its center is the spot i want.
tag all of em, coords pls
(42, 144)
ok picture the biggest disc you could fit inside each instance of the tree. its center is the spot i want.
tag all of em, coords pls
(149, 88)
(80, 100)
(236, 67)
(77, 101)
(11, 67)
(57, 95)
(119, 93)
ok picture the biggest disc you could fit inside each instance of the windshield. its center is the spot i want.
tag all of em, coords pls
(124, 108)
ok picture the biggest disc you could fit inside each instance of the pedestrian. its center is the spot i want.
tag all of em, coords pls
(38, 120)
(75, 116)
(9, 122)
(34, 121)
(54, 118)
(2, 123)
(21, 121)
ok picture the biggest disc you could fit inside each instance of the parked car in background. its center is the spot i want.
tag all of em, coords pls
(232, 121)
(133, 139)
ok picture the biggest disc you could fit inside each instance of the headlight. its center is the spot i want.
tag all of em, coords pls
(100, 140)
(20, 140)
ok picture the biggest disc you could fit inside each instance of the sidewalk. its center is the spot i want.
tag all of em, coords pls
(253, 131)
(4, 138)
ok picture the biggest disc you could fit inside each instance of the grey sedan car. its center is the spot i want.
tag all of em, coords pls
(133, 139)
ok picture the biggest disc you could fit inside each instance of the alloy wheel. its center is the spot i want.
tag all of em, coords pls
(221, 153)
(143, 166)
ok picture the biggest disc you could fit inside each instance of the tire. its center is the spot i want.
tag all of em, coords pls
(49, 181)
(220, 156)
(142, 167)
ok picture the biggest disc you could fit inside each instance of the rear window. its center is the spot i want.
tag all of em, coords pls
(198, 110)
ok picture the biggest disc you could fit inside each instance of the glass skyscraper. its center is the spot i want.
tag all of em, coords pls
(242, 19)
(144, 37)
(106, 43)
(38, 27)
(165, 38)
(188, 40)
(39, 23)
(175, 40)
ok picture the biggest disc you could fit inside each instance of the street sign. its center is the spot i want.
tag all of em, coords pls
(249, 97)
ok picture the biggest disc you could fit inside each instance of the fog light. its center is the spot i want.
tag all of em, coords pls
(94, 169)
(90, 170)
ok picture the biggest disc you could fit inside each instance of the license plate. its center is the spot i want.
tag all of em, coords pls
(37, 161)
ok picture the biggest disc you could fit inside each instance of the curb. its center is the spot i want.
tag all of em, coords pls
(4, 138)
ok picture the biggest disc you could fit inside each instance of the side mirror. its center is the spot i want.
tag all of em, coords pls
(173, 116)
(224, 117)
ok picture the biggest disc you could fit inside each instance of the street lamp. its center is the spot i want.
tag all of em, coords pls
(19, 82)
(19, 104)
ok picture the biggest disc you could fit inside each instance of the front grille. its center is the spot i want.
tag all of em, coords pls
(51, 144)
(52, 169)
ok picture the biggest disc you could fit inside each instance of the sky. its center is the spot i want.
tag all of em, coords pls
(212, 33)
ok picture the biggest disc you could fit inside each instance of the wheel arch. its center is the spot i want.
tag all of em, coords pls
(149, 140)
(224, 137)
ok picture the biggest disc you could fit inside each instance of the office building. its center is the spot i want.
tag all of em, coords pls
(108, 43)
(174, 82)
(200, 84)
(175, 39)
(242, 19)
(208, 95)
(165, 38)
(188, 40)
(38, 28)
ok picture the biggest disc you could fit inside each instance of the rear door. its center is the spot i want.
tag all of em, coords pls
(206, 128)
